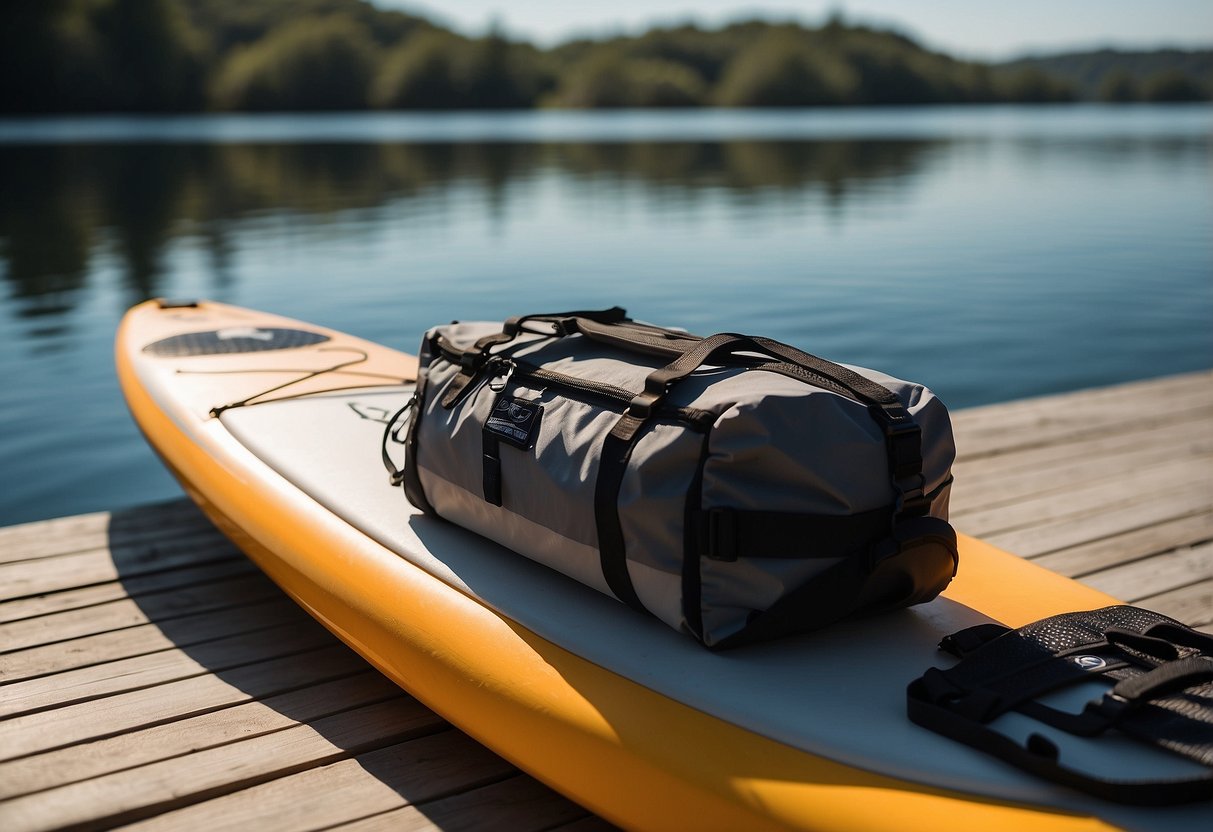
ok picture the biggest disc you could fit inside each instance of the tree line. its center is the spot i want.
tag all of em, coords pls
(299, 55)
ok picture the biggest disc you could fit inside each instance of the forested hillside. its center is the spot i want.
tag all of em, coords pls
(194, 55)
(1116, 75)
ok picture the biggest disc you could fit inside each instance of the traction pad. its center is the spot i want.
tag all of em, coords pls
(1159, 679)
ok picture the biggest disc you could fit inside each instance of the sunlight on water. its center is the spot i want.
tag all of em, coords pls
(991, 253)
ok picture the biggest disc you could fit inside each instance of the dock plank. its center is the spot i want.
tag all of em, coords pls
(210, 730)
(1154, 576)
(132, 587)
(520, 804)
(1192, 604)
(124, 796)
(137, 672)
(25, 735)
(401, 775)
(102, 565)
(1091, 498)
(127, 612)
(69, 535)
(1123, 516)
(1107, 552)
(186, 631)
(149, 674)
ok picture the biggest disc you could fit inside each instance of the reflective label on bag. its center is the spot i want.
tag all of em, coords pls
(516, 421)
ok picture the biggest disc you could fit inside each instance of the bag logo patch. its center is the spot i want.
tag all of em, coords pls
(515, 420)
(1089, 662)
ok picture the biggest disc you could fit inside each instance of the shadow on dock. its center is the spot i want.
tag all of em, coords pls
(256, 712)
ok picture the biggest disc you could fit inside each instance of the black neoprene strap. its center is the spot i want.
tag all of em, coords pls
(1150, 659)
(1042, 758)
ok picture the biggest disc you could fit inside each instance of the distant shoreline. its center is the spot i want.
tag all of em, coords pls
(195, 56)
(1076, 120)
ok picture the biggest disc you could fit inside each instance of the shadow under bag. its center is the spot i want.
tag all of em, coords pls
(732, 486)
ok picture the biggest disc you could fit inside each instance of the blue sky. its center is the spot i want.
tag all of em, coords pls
(976, 28)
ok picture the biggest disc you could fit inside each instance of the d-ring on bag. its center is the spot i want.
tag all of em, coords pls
(734, 487)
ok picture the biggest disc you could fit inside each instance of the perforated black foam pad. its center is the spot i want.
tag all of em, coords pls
(234, 340)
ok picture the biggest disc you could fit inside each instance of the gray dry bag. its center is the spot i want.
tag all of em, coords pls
(732, 486)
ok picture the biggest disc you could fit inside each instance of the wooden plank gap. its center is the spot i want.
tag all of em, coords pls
(142, 672)
(144, 639)
(225, 726)
(371, 783)
(520, 804)
(1156, 574)
(25, 736)
(1191, 605)
(100, 566)
(1178, 478)
(130, 587)
(1058, 534)
(127, 796)
(65, 535)
(1086, 558)
(160, 608)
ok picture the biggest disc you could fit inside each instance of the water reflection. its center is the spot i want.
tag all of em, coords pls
(60, 202)
(63, 205)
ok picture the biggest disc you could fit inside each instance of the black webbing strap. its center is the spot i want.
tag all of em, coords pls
(612, 465)
(727, 534)
(903, 438)
(831, 596)
(912, 566)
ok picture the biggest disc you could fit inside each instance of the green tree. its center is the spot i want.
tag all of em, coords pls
(89, 55)
(490, 73)
(1118, 87)
(1034, 86)
(153, 55)
(782, 70)
(657, 83)
(1172, 85)
(312, 64)
(608, 78)
(418, 75)
(599, 80)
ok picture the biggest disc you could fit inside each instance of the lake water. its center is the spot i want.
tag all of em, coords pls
(989, 252)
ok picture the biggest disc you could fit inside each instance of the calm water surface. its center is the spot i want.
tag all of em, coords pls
(992, 253)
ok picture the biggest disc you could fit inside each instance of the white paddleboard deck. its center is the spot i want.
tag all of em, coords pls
(838, 693)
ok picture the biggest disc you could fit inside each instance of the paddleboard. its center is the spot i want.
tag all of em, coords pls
(274, 428)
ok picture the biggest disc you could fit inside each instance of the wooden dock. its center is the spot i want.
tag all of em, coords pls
(150, 676)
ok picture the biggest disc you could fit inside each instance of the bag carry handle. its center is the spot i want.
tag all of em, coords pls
(565, 324)
(903, 437)
(642, 338)
(863, 389)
